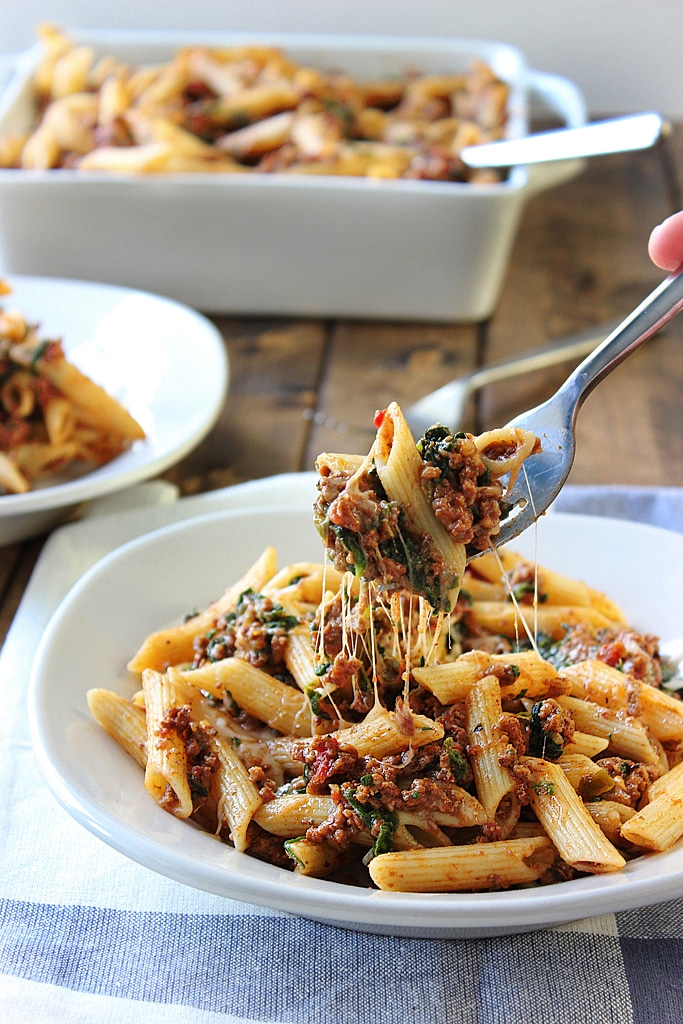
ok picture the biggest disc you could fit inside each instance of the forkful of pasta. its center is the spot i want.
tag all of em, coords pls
(410, 514)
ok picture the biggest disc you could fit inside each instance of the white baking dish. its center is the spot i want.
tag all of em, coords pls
(282, 244)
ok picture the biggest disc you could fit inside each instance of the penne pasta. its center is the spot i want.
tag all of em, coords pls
(530, 675)
(464, 868)
(487, 746)
(166, 769)
(508, 619)
(51, 414)
(175, 645)
(335, 724)
(625, 735)
(282, 707)
(659, 824)
(252, 108)
(237, 797)
(580, 842)
(124, 722)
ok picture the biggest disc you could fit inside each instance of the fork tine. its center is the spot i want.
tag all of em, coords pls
(541, 478)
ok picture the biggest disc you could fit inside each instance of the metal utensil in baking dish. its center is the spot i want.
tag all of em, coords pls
(615, 135)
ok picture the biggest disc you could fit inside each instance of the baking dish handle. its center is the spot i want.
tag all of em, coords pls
(566, 99)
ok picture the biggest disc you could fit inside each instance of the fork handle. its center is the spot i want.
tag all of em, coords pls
(661, 305)
(559, 351)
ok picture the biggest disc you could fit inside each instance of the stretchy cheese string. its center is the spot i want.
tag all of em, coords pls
(518, 617)
(319, 646)
(533, 506)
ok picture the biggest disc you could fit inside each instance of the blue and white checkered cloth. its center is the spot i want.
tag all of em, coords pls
(86, 935)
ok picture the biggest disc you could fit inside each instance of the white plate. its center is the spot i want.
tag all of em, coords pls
(166, 363)
(155, 580)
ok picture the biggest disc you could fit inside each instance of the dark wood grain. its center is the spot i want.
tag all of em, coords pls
(369, 365)
(16, 566)
(275, 366)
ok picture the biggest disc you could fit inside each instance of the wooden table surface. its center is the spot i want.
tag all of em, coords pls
(299, 387)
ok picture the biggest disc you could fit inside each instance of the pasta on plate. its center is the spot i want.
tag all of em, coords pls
(251, 108)
(51, 414)
(405, 715)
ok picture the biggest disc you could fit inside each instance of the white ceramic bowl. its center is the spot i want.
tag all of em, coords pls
(279, 244)
(166, 363)
(153, 581)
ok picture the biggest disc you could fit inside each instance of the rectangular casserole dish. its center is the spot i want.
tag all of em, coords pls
(277, 244)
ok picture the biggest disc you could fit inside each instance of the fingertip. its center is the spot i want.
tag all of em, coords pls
(665, 246)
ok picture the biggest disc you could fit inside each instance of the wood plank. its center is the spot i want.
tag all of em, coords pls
(274, 368)
(581, 259)
(369, 365)
(16, 565)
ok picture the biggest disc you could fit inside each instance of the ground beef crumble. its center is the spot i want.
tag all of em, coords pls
(268, 847)
(635, 654)
(554, 720)
(324, 758)
(257, 632)
(202, 762)
(464, 497)
(631, 780)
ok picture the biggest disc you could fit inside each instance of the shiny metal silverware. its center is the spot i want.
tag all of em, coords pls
(543, 475)
(447, 404)
(615, 135)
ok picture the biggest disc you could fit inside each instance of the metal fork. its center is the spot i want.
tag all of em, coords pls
(543, 475)
(447, 404)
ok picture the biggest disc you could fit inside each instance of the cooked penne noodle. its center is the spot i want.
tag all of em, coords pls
(386, 733)
(92, 399)
(624, 733)
(589, 779)
(610, 816)
(595, 681)
(280, 706)
(469, 811)
(315, 859)
(166, 770)
(450, 682)
(124, 722)
(504, 450)
(553, 588)
(581, 843)
(463, 868)
(312, 719)
(300, 658)
(292, 815)
(237, 797)
(586, 744)
(505, 618)
(174, 646)
(661, 712)
(399, 467)
(487, 746)
(659, 824)
(11, 478)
